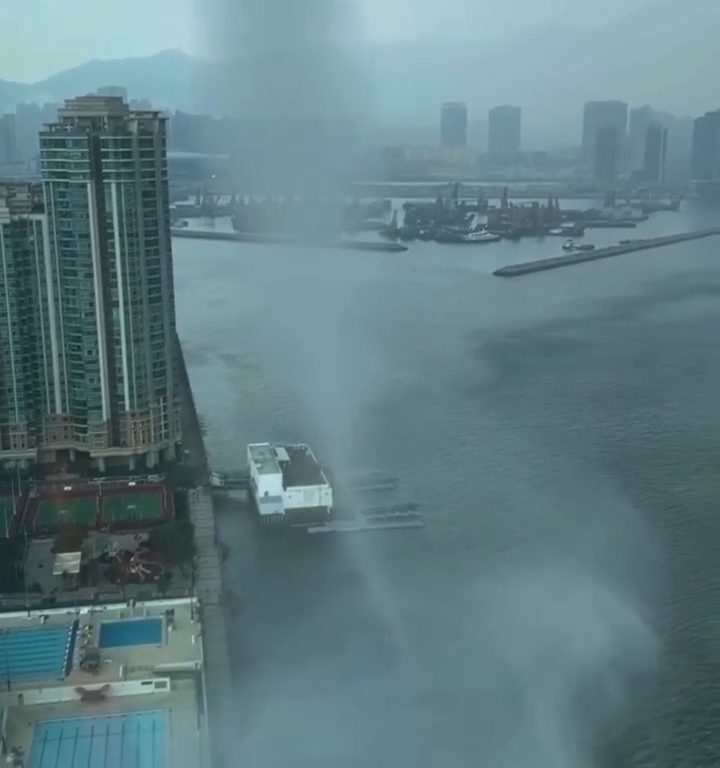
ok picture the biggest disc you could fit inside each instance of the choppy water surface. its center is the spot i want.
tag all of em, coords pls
(561, 608)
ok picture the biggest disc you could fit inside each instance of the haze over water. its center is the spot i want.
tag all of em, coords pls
(561, 433)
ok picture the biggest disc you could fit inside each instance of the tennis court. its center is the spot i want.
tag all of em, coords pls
(128, 740)
(142, 507)
(66, 510)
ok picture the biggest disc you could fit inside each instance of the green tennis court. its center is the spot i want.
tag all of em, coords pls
(78, 510)
(128, 507)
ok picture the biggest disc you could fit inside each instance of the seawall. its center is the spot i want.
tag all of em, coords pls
(580, 257)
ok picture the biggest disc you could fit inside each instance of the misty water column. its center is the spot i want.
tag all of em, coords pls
(292, 75)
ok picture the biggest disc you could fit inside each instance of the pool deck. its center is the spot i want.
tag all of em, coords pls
(184, 727)
(182, 648)
(133, 678)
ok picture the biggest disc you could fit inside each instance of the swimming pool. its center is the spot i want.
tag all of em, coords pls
(132, 740)
(36, 653)
(126, 632)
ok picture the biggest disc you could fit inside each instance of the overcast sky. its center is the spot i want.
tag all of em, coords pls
(40, 37)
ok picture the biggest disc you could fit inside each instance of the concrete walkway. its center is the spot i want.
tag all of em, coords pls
(208, 582)
(218, 674)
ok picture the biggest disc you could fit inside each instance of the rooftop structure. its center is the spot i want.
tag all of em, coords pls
(104, 686)
(288, 484)
(113, 90)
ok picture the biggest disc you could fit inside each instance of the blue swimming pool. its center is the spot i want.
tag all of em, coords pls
(130, 740)
(36, 653)
(119, 634)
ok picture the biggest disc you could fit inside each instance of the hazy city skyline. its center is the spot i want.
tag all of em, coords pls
(32, 49)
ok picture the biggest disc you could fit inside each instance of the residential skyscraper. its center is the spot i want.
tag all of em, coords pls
(705, 163)
(504, 126)
(602, 114)
(655, 153)
(26, 391)
(453, 124)
(109, 285)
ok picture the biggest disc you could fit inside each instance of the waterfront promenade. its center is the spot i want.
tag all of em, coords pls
(208, 580)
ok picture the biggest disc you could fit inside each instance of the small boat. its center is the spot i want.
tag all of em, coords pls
(557, 231)
(571, 245)
(449, 235)
(480, 236)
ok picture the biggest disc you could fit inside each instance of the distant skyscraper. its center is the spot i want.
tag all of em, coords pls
(108, 274)
(705, 163)
(602, 114)
(655, 153)
(504, 125)
(680, 133)
(607, 155)
(8, 139)
(453, 124)
(113, 90)
(641, 118)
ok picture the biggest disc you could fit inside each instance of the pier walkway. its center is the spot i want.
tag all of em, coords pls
(580, 257)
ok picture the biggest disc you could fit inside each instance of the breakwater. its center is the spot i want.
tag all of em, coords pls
(580, 257)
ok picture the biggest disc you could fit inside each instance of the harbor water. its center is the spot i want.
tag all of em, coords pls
(562, 434)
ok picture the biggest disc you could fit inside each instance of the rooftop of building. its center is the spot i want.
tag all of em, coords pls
(97, 110)
(94, 104)
(297, 463)
(104, 685)
(301, 467)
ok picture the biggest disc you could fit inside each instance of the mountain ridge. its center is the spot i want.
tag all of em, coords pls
(661, 55)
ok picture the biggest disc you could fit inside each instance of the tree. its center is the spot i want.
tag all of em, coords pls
(70, 538)
(173, 542)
